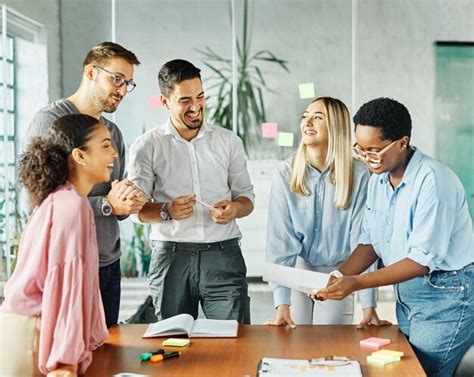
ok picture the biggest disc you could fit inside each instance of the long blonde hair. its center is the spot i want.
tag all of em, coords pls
(339, 158)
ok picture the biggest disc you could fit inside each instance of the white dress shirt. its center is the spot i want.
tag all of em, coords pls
(212, 165)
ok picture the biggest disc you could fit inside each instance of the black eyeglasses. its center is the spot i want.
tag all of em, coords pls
(119, 80)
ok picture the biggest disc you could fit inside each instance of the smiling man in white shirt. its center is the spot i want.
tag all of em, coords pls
(196, 175)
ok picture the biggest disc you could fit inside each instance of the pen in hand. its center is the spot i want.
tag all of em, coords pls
(203, 203)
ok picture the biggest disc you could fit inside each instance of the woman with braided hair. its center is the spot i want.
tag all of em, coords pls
(52, 304)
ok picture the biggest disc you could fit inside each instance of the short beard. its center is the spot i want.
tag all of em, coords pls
(98, 97)
(195, 125)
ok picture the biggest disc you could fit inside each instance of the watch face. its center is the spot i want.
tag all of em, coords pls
(106, 208)
(164, 214)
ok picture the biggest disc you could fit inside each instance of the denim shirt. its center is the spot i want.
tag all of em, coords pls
(311, 227)
(425, 218)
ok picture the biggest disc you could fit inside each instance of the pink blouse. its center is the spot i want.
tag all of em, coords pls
(56, 278)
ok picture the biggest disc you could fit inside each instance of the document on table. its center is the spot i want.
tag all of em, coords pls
(271, 367)
(302, 280)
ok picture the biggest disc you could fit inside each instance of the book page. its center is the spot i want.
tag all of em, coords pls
(176, 325)
(302, 280)
(214, 328)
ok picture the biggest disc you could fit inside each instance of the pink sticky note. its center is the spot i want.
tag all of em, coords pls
(270, 130)
(154, 102)
(374, 342)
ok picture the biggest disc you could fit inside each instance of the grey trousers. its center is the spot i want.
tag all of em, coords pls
(183, 274)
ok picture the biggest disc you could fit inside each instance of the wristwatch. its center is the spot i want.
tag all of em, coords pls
(105, 207)
(164, 213)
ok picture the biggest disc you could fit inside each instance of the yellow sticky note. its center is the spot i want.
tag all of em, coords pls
(386, 353)
(382, 361)
(285, 139)
(306, 90)
(175, 342)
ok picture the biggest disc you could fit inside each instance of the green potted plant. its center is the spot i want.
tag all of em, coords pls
(137, 252)
(251, 85)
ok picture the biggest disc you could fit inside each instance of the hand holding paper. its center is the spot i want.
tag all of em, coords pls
(337, 289)
(295, 278)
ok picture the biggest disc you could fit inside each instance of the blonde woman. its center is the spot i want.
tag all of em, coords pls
(315, 214)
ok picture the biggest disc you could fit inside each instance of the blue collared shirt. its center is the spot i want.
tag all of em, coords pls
(425, 218)
(310, 226)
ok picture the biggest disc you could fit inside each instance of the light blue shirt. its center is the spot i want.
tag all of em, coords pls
(310, 226)
(425, 218)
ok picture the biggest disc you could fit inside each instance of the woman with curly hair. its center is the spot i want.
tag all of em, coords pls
(52, 304)
(323, 180)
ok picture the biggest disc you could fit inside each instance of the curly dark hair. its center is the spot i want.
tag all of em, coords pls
(44, 164)
(390, 116)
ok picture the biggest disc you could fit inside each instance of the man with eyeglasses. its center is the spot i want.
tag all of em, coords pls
(106, 78)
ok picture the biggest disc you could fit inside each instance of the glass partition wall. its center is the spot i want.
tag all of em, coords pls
(287, 53)
(23, 82)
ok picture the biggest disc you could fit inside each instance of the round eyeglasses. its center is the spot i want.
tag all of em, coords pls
(374, 157)
(119, 80)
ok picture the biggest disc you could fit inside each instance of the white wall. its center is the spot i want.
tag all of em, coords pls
(396, 54)
(394, 57)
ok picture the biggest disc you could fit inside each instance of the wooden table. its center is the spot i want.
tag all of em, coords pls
(237, 357)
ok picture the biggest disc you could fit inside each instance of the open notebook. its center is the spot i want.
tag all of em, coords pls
(200, 328)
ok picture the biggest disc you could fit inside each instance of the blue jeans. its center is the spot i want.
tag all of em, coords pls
(109, 280)
(435, 312)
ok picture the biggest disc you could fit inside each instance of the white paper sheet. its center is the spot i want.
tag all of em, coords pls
(302, 280)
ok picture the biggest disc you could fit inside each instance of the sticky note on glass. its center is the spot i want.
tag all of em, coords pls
(306, 90)
(175, 342)
(285, 139)
(270, 130)
(374, 342)
(154, 102)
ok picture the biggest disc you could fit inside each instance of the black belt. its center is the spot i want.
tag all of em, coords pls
(192, 246)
